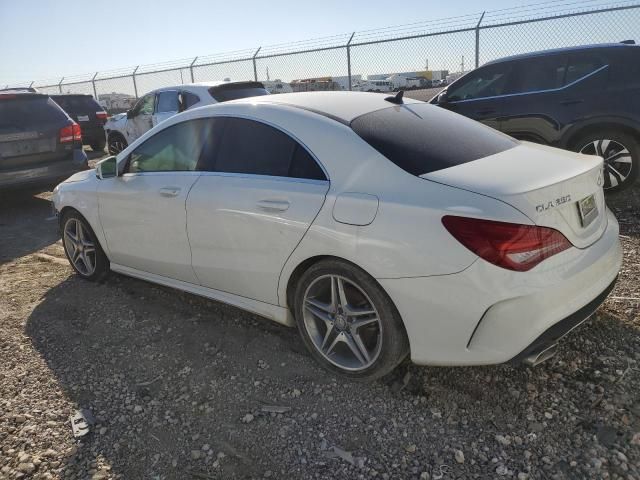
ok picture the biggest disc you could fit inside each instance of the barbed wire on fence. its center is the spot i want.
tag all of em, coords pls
(427, 48)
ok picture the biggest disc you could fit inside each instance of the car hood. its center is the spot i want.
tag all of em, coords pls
(81, 176)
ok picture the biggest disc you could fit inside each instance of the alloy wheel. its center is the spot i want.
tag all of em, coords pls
(116, 146)
(617, 160)
(79, 246)
(342, 322)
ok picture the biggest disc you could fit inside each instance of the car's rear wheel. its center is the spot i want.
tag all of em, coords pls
(348, 322)
(116, 143)
(621, 154)
(82, 247)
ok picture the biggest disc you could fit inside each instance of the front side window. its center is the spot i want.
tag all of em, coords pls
(167, 102)
(174, 149)
(255, 148)
(489, 81)
(541, 73)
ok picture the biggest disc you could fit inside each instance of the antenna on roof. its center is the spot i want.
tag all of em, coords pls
(397, 98)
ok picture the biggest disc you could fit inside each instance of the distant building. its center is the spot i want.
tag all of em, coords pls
(116, 102)
(343, 81)
(277, 86)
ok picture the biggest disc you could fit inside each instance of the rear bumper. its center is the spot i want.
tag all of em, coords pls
(48, 173)
(489, 315)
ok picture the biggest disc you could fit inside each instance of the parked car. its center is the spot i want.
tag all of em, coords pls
(160, 104)
(39, 143)
(87, 113)
(585, 99)
(368, 242)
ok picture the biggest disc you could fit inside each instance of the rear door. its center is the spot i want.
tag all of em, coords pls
(30, 132)
(250, 211)
(142, 212)
(480, 94)
(167, 105)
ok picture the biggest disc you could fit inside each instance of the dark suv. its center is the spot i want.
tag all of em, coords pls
(39, 143)
(585, 99)
(89, 115)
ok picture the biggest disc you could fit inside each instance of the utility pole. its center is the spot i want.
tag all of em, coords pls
(462, 65)
(268, 74)
(426, 64)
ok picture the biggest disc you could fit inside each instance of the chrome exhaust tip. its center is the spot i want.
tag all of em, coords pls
(542, 355)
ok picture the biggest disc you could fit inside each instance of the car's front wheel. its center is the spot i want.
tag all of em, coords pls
(347, 321)
(116, 143)
(82, 247)
(621, 154)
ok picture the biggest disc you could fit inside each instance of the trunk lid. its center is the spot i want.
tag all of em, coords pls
(554, 188)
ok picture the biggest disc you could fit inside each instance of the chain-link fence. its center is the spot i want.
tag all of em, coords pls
(416, 55)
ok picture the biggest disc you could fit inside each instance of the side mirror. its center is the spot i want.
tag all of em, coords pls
(182, 102)
(443, 97)
(107, 168)
(130, 113)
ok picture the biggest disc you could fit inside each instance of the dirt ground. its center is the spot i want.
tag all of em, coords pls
(185, 388)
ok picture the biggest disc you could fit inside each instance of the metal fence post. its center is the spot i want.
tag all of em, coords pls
(478, 40)
(60, 85)
(349, 59)
(93, 82)
(191, 69)
(31, 84)
(255, 68)
(135, 87)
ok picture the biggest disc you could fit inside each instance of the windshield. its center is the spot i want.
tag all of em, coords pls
(29, 112)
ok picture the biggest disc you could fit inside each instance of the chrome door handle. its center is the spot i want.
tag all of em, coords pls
(273, 205)
(169, 191)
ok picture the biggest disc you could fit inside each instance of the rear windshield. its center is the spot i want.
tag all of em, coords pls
(422, 138)
(234, 91)
(77, 103)
(29, 112)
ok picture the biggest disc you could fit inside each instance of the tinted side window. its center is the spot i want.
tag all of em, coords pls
(580, 66)
(190, 99)
(176, 148)
(541, 73)
(254, 148)
(423, 138)
(485, 82)
(144, 106)
(167, 102)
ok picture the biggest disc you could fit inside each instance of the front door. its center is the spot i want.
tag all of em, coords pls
(142, 211)
(248, 214)
(141, 119)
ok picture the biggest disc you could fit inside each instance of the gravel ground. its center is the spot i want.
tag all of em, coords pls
(185, 388)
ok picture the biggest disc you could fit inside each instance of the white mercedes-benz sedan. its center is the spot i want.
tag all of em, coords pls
(380, 227)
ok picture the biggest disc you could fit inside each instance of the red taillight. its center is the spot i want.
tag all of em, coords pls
(507, 245)
(70, 133)
(101, 115)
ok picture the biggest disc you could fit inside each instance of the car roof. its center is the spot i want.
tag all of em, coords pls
(198, 86)
(598, 46)
(340, 106)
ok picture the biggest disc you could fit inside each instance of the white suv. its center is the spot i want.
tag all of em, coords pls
(160, 104)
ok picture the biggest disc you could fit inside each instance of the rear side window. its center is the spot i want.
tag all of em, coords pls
(234, 91)
(423, 138)
(174, 149)
(29, 112)
(489, 81)
(541, 73)
(255, 148)
(581, 66)
(190, 99)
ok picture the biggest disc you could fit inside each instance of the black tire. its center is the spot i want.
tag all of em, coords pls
(98, 145)
(101, 261)
(612, 169)
(116, 143)
(394, 342)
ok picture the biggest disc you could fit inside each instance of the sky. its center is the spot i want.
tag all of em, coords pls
(47, 39)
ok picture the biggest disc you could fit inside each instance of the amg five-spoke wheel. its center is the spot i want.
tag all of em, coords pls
(82, 247)
(342, 322)
(348, 322)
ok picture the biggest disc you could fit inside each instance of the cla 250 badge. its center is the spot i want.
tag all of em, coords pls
(543, 207)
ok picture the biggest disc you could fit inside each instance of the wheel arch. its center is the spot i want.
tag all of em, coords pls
(97, 233)
(598, 124)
